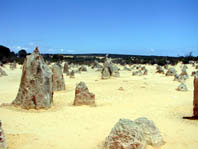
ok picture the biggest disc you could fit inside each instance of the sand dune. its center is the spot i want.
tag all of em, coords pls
(82, 127)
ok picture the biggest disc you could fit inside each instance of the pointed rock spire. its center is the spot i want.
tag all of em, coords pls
(35, 90)
(36, 50)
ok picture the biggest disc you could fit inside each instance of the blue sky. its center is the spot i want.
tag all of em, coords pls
(143, 27)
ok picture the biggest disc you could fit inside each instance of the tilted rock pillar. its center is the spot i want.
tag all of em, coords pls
(195, 100)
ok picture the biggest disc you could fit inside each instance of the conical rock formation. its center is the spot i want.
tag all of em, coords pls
(83, 96)
(35, 91)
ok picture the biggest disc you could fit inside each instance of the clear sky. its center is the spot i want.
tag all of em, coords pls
(143, 27)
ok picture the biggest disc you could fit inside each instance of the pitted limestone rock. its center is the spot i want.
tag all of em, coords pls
(195, 98)
(2, 72)
(58, 79)
(150, 131)
(83, 96)
(127, 134)
(171, 72)
(182, 87)
(3, 144)
(35, 91)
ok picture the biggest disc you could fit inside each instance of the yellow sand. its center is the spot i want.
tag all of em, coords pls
(67, 127)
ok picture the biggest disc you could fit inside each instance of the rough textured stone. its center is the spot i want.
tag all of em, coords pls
(166, 67)
(184, 74)
(58, 79)
(66, 68)
(105, 73)
(13, 65)
(3, 144)
(125, 135)
(72, 74)
(182, 87)
(83, 68)
(194, 73)
(171, 72)
(77, 71)
(115, 71)
(2, 72)
(143, 68)
(96, 65)
(184, 68)
(59, 63)
(109, 69)
(145, 71)
(35, 91)
(177, 78)
(138, 67)
(138, 73)
(135, 73)
(150, 132)
(83, 96)
(160, 70)
(126, 68)
(121, 88)
(180, 78)
(195, 98)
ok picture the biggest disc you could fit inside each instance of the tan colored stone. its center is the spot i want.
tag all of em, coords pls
(35, 91)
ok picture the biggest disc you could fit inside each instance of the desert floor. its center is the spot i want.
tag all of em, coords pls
(83, 127)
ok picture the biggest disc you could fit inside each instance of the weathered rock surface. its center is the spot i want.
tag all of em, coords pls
(105, 73)
(194, 73)
(166, 67)
(96, 65)
(115, 71)
(195, 98)
(35, 91)
(66, 68)
(83, 96)
(135, 73)
(182, 87)
(171, 72)
(59, 63)
(145, 71)
(180, 78)
(184, 68)
(58, 79)
(196, 67)
(2, 72)
(159, 70)
(139, 73)
(126, 68)
(109, 69)
(72, 74)
(127, 134)
(184, 74)
(13, 65)
(3, 144)
(177, 78)
(83, 68)
(150, 132)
